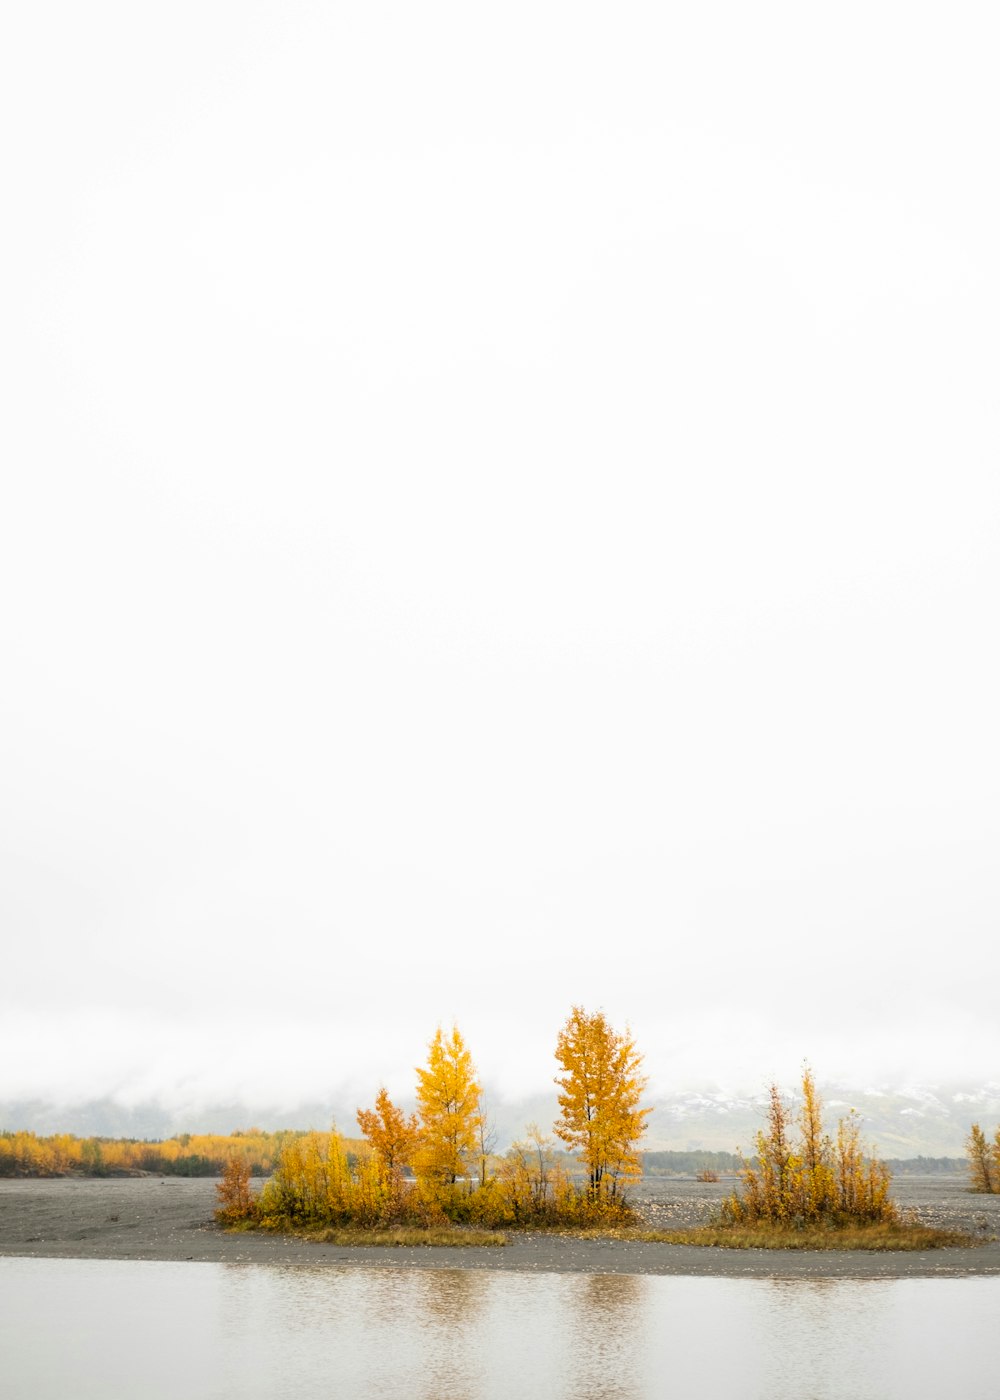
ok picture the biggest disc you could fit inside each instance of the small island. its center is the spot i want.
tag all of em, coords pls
(431, 1178)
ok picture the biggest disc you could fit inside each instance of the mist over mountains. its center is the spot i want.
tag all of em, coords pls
(902, 1121)
(899, 1121)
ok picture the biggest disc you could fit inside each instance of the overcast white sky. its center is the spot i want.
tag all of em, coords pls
(500, 510)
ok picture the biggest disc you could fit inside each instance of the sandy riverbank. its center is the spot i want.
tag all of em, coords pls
(171, 1218)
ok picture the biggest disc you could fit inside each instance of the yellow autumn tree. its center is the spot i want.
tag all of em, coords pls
(381, 1194)
(984, 1161)
(770, 1182)
(601, 1086)
(817, 1177)
(448, 1094)
(393, 1135)
(236, 1199)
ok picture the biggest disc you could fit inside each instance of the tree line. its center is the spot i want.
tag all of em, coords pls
(187, 1154)
(676, 1163)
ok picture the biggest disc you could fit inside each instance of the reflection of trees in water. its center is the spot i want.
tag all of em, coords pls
(449, 1304)
(388, 1295)
(607, 1312)
(444, 1334)
(291, 1298)
(452, 1297)
(413, 1331)
(613, 1294)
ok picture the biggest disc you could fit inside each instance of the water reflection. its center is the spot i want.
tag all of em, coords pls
(449, 1298)
(603, 1316)
(446, 1334)
(448, 1304)
(111, 1329)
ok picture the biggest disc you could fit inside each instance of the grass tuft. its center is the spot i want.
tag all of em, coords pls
(397, 1236)
(881, 1236)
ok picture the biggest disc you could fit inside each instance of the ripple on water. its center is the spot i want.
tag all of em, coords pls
(111, 1329)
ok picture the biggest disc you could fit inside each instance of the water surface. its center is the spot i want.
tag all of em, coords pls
(110, 1329)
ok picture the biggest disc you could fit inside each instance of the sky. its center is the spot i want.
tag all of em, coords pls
(500, 512)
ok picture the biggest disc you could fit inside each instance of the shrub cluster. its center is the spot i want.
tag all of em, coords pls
(318, 1183)
(805, 1177)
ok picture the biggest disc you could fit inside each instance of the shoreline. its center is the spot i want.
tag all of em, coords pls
(169, 1219)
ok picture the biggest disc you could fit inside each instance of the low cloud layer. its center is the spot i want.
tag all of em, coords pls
(510, 520)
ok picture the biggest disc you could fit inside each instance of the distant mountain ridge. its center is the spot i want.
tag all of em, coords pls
(909, 1121)
(903, 1121)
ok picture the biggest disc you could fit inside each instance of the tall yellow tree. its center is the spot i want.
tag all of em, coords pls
(448, 1094)
(601, 1086)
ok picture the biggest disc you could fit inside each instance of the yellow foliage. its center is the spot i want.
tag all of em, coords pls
(984, 1160)
(392, 1135)
(599, 1108)
(809, 1180)
(236, 1200)
(818, 1185)
(198, 1154)
(448, 1103)
(311, 1183)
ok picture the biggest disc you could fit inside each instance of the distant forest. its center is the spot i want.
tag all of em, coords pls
(689, 1163)
(25, 1154)
(927, 1166)
(188, 1154)
(729, 1163)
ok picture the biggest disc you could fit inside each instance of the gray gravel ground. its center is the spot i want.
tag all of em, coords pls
(171, 1219)
(670, 1203)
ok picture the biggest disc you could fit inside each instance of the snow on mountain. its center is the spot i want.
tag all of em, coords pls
(899, 1121)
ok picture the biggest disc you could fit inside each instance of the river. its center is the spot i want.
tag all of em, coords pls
(114, 1329)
